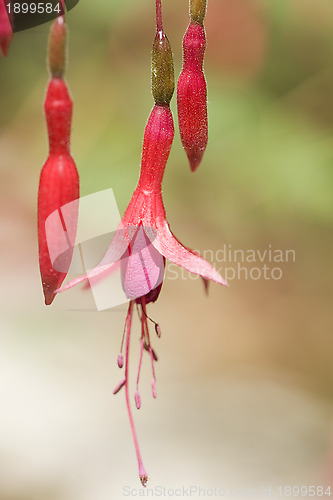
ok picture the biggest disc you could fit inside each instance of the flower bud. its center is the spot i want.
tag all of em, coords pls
(192, 96)
(58, 186)
(162, 74)
(59, 180)
(6, 31)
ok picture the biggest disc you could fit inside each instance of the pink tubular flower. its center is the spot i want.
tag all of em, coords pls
(6, 31)
(144, 230)
(192, 88)
(59, 180)
(146, 209)
(144, 240)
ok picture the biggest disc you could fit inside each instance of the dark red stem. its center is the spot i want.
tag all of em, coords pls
(159, 25)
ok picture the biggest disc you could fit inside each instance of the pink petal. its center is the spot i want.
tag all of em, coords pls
(109, 262)
(168, 245)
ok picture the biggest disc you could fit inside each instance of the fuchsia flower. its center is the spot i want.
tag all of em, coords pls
(192, 88)
(144, 230)
(146, 209)
(6, 31)
(144, 240)
(59, 179)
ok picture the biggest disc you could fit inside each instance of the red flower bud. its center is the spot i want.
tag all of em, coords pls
(59, 180)
(6, 31)
(192, 95)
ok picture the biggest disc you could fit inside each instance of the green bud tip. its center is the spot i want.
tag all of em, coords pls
(162, 75)
(198, 10)
(57, 48)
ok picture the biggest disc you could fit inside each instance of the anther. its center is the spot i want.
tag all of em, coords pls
(137, 399)
(119, 386)
(158, 330)
(120, 360)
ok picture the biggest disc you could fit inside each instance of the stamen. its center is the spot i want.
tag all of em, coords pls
(119, 386)
(120, 359)
(153, 370)
(148, 348)
(142, 472)
(158, 330)
(143, 476)
(153, 386)
(157, 326)
(153, 356)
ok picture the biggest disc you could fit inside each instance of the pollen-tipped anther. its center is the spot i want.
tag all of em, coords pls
(137, 399)
(143, 475)
(120, 360)
(119, 386)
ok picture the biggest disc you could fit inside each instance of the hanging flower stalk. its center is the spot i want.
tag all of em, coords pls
(192, 88)
(6, 31)
(59, 180)
(144, 240)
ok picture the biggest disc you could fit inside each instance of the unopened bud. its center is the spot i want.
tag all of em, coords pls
(162, 74)
(192, 96)
(120, 360)
(137, 399)
(57, 48)
(119, 386)
(198, 10)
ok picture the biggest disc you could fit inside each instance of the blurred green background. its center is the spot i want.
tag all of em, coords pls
(245, 386)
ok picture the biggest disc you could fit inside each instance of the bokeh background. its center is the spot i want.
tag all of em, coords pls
(245, 376)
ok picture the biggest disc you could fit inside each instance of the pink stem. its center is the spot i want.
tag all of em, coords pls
(148, 342)
(141, 354)
(142, 472)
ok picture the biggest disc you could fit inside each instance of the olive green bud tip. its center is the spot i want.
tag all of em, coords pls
(198, 10)
(57, 48)
(163, 79)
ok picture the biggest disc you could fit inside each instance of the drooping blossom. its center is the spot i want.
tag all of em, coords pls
(144, 240)
(59, 180)
(6, 31)
(192, 88)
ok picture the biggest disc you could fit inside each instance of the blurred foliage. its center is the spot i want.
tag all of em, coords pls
(266, 179)
(270, 75)
(267, 174)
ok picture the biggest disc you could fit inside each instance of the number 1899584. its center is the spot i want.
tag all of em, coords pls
(33, 8)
